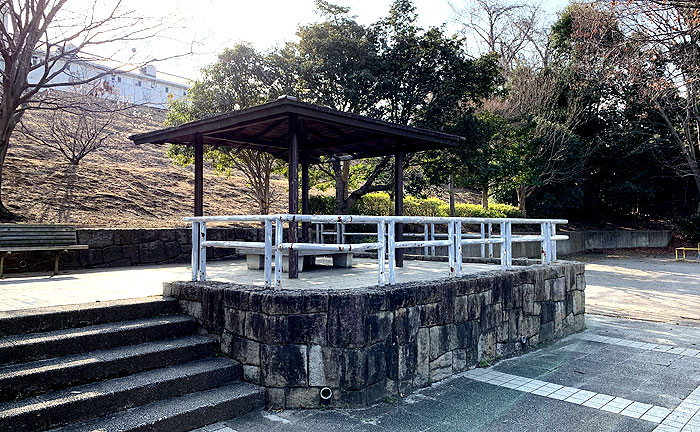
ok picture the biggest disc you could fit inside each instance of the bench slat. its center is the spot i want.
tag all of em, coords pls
(47, 248)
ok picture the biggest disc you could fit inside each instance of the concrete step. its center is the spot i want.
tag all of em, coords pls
(80, 315)
(26, 379)
(179, 414)
(57, 343)
(107, 397)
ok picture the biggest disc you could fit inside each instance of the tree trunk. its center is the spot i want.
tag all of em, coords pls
(522, 198)
(485, 196)
(5, 213)
(346, 178)
(453, 211)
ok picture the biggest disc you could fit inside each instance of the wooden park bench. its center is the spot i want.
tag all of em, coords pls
(32, 238)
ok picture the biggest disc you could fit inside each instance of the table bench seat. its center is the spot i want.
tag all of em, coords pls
(255, 258)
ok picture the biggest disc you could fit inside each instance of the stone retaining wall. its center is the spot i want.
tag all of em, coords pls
(372, 343)
(129, 247)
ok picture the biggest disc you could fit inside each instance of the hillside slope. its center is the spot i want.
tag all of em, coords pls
(120, 185)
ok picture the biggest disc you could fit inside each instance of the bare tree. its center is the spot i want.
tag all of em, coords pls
(82, 125)
(48, 40)
(515, 31)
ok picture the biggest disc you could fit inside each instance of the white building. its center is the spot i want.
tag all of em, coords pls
(142, 87)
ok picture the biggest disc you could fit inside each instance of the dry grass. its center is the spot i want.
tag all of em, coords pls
(120, 185)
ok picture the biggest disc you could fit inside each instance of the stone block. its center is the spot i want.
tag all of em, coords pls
(531, 325)
(284, 365)
(406, 322)
(237, 299)
(303, 397)
(558, 288)
(355, 370)
(487, 346)
(112, 253)
(307, 328)
(474, 302)
(127, 237)
(543, 290)
(548, 309)
(401, 297)
(251, 374)
(467, 334)
(325, 366)
(579, 302)
(191, 308)
(131, 252)
(95, 238)
(266, 328)
(461, 309)
(344, 398)
(213, 309)
(346, 326)
(152, 252)
(376, 363)
(513, 296)
(502, 332)
(234, 321)
(459, 360)
(546, 331)
(376, 392)
(255, 261)
(528, 298)
(433, 314)
(515, 325)
(442, 339)
(91, 257)
(245, 350)
(407, 358)
(378, 327)
(422, 375)
(280, 304)
(315, 302)
(172, 249)
(275, 398)
(441, 367)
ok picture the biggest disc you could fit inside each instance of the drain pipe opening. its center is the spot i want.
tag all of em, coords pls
(326, 394)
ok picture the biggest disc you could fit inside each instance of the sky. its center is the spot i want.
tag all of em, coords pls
(208, 26)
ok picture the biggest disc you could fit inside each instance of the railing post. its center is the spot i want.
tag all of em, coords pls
(337, 233)
(268, 254)
(451, 248)
(458, 248)
(202, 251)
(509, 241)
(432, 237)
(543, 232)
(425, 238)
(504, 248)
(279, 239)
(490, 244)
(483, 246)
(195, 251)
(553, 254)
(392, 252)
(318, 239)
(381, 251)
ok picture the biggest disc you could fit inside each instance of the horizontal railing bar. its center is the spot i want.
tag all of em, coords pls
(492, 240)
(233, 244)
(423, 243)
(526, 239)
(329, 247)
(367, 219)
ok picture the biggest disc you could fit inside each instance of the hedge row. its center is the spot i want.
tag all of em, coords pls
(380, 204)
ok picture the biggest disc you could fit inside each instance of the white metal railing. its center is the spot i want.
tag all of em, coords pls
(386, 244)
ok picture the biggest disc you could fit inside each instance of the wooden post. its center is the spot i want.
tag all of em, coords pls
(304, 195)
(293, 190)
(198, 174)
(398, 201)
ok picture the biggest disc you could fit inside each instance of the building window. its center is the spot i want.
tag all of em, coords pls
(119, 79)
(138, 83)
(35, 60)
(113, 77)
(167, 90)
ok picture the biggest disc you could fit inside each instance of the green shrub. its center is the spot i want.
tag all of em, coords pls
(381, 204)
(373, 204)
(321, 204)
(690, 229)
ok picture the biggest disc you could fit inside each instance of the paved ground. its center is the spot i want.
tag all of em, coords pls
(655, 289)
(599, 380)
(86, 286)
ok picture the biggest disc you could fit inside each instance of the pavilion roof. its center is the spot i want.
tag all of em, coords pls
(323, 132)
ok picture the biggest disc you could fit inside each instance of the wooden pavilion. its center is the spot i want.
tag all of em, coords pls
(300, 133)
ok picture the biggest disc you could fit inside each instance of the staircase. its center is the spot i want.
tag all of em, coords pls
(131, 365)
